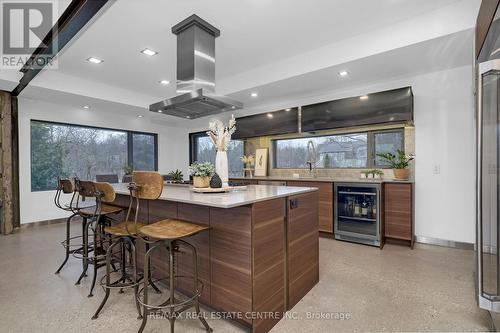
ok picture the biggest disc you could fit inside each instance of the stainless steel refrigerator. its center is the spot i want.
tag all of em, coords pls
(488, 189)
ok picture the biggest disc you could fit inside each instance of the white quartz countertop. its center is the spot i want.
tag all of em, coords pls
(324, 179)
(234, 198)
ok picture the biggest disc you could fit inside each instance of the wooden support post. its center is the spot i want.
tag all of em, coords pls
(9, 168)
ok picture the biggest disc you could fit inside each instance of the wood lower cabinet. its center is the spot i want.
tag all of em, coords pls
(302, 247)
(398, 212)
(325, 202)
(256, 261)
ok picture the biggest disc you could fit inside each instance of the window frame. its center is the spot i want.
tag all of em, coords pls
(370, 146)
(129, 134)
(193, 148)
(373, 159)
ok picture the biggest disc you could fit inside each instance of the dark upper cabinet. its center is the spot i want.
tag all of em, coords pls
(377, 108)
(272, 123)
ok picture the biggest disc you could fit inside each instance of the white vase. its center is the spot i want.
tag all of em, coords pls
(221, 167)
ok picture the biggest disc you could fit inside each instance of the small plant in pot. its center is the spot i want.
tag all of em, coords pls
(201, 173)
(399, 163)
(176, 176)
(364, 174)
(377, 174)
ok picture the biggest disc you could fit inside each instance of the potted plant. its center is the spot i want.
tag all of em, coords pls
(399, 163)
(176, 176)
(377, 174)
(201, 173)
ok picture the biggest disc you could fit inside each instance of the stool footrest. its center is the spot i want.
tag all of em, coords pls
(161, 306)
(116, 283)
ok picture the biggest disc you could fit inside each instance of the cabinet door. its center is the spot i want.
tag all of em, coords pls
(303, 246)
(398, 211)
(325, 202)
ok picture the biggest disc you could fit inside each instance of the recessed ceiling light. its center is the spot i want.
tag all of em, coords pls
(343, 73)
(94, 60)
(363, 97)
(86, 107)
(164, 82)
(287, 109)
(140, 116)
(149, 52)
(254, 94)
(270, 115)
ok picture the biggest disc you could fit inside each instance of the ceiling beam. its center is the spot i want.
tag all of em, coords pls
(74, 18)
(483, 22)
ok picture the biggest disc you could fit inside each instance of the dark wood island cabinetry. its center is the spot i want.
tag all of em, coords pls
(260, 256)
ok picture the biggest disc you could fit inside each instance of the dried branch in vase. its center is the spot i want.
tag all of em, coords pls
(221, 135)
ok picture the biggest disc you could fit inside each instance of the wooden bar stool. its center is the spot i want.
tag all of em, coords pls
(145, 186)
(168, 234)
(95, 218)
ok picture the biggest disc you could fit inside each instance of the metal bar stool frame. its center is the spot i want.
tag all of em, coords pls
(175, 308)
(127, 242)
(171, 245)
(92, 223)
(66, 186)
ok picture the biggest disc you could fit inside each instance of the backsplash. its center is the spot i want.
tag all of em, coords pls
(266, 142)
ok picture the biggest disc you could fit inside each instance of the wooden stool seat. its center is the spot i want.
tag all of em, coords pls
(120, 229)
(171, 229)
(105, 210)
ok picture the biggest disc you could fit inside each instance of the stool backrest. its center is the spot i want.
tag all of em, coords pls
(66, 186)
(146, 185)
(106, 191)
(149, 184)
(86, 188)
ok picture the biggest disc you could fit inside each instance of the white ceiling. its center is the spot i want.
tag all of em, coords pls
(280, 48)
(441, 53)
(253, 33)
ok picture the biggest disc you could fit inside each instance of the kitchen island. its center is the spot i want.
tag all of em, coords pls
(260, 256)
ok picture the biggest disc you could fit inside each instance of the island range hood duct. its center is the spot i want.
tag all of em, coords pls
(195, 73)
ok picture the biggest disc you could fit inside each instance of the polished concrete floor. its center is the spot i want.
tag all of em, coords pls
(361, 289)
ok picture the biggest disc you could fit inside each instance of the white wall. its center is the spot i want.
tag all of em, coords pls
(444, 137)
(39, 206)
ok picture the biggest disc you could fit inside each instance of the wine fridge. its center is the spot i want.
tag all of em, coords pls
(357, 213)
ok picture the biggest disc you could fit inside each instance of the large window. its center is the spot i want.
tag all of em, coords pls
(202, 150)
(63, 150)
(387, 141)
(352, 150)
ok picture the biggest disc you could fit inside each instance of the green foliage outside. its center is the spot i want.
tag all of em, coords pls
(72, 151)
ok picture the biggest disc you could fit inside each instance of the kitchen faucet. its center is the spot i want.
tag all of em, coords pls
(311, 158)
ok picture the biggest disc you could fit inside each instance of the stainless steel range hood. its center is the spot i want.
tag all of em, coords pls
(195, 73)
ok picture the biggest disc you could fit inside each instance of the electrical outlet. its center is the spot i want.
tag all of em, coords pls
(436, 169)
